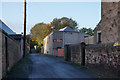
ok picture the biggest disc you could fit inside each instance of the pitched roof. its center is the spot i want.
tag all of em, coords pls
(67, 29)
(16, 36)
(4, 27)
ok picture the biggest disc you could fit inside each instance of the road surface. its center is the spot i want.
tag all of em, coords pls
(43, 66)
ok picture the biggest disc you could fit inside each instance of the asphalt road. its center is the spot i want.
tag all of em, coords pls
(43, 66)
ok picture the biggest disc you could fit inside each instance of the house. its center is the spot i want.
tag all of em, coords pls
(11, 50)
(17, 37)
(54, 43)
(108, 29)
(5, 28)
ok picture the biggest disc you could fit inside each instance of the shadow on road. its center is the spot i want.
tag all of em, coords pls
(44, 66)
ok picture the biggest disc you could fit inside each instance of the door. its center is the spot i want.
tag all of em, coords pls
(69, 53)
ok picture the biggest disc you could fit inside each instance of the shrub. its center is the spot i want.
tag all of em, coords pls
(38, 49)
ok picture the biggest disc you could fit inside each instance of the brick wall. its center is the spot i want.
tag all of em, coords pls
(14, 53)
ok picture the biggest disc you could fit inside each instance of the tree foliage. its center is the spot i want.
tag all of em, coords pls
(63, 22)
(39, 32)
(33, 43)
(88, 31)
(28, 38)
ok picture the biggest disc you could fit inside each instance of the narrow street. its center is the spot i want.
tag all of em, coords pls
(44, 66)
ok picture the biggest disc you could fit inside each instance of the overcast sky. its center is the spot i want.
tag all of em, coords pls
(86, 14)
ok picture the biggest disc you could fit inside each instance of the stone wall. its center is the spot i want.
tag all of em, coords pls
(75, 54)
(104, 56)
(119, 22)
(13, 51)
(98, 28)
(109, 22)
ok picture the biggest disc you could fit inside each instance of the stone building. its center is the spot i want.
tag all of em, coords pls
(55, 41)
(108, 29)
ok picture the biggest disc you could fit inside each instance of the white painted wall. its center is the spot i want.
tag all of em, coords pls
(45, 45)
(48, 44)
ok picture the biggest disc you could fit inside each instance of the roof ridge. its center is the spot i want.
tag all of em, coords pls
(67, 29)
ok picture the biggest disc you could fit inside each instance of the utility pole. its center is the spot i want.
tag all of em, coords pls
(24, 54)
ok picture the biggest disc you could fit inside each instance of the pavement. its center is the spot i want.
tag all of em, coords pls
(44, 66)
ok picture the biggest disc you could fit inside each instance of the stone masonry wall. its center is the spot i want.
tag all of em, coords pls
(104, 56)
(75, 54)
(14, 53)
(119, 21)
(109, 22)
(98, 28)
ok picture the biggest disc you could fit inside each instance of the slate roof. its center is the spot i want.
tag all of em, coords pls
(16, 36)
(67, 29)
(4, 27)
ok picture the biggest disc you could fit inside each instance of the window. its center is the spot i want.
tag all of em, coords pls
(99, 39)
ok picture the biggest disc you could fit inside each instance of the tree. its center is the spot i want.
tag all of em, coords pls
(39, 32)
(63, 22)
(88, 31)
(28, 38)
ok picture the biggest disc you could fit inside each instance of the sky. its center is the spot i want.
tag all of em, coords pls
(86, 14)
